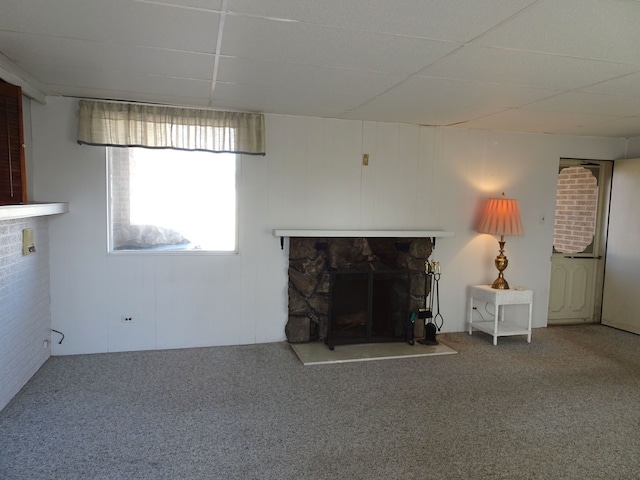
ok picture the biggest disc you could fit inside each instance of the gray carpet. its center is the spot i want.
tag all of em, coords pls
(566, 406)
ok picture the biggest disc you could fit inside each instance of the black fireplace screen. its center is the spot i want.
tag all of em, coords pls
(368, 307)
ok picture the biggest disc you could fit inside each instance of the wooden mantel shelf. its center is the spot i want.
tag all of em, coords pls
(282, 233)
(363, 233)
(33, 209)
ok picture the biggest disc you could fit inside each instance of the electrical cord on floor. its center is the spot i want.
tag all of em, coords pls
(60, 333)
(491, 314)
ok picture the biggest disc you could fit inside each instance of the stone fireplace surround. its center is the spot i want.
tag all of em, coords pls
(313, 258)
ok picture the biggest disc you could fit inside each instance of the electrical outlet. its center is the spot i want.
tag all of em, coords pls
(46, 343)
(28, 246)
(127, 319)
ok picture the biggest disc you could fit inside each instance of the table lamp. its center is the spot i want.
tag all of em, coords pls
(501, 217)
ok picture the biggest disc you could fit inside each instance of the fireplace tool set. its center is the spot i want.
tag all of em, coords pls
(430, 315)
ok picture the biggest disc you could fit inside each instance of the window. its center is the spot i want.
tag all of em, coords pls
(179, 194)
(576, 209)
(171, 200)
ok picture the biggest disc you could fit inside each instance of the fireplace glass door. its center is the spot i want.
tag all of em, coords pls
(368, 307)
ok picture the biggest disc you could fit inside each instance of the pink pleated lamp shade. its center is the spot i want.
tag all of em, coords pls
(501, 217)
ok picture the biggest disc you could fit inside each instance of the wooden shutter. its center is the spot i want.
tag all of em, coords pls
(13, 185)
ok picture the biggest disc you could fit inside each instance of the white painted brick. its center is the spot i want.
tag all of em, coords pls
(25, 314)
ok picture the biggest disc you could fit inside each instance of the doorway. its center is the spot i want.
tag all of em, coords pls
(579, 241)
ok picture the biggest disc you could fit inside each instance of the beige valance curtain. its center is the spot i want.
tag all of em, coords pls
(136, 125)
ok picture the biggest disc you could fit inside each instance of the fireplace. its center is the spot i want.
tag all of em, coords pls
(355, 290)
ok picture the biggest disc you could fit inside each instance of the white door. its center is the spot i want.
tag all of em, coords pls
(621, 301)
(577, 262)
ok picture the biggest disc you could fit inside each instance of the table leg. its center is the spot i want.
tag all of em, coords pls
(495, 324)
(529, 324)
(470, 312)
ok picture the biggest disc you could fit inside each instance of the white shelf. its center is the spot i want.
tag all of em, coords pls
(362, 233)
(25, 210)
(505, 328)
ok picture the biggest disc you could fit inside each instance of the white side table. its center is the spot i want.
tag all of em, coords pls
(499, 327)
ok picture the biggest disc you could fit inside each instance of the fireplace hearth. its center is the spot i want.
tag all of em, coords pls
(355, 290)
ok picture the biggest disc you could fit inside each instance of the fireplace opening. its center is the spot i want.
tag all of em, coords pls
(367, 307)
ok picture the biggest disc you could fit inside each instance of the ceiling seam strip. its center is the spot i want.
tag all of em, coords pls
(216, 60)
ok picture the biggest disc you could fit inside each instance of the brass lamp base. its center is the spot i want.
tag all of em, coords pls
(501, 263)
(500, 284)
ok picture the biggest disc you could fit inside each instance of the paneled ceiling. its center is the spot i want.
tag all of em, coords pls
(544, 66)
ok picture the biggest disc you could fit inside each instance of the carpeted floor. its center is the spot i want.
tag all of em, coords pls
(566, 406)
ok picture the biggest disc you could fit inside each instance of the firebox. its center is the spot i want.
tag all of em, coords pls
(367, 307)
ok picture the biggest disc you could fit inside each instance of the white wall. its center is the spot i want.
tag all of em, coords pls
(176, 301)
(312, 177)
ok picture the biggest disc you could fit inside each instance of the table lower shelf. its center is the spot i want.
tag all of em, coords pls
(505, 328)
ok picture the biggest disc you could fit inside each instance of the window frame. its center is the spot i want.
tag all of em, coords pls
(169, 252)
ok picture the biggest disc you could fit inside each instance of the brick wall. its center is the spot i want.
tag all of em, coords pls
(25, 315)
(576, 206)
